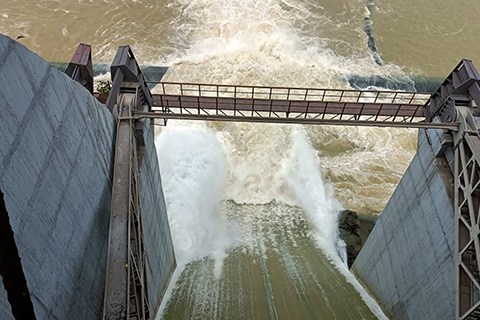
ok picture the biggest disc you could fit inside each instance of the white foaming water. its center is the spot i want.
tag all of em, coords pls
(192, 164)
(255, 153)
(268, 42)
(194, 173)
(284, 43)
(302, 172)
(261, 43)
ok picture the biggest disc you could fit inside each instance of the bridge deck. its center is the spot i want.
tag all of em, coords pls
(213, 102)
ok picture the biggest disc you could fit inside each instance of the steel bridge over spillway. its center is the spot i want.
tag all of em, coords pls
(453, 108)
(289, 105)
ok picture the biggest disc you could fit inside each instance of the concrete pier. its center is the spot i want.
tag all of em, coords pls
(56, 162)
(55, 172)
(408, 260)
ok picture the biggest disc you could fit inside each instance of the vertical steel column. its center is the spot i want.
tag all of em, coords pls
(126, 294)
(117, 280)
(467, 225)
(454, 101)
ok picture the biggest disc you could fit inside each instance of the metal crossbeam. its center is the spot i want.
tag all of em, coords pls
(174, 103)
(285, 120)
(294, 102)
(289, 93)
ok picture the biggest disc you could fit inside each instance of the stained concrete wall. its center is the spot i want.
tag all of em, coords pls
(157, 238)
(56, 161)
(56, 152)
(5, 311)
(408, 259)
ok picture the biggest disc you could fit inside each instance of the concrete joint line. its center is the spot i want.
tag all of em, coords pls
(50, 150)
(6, 54)
(26, 119)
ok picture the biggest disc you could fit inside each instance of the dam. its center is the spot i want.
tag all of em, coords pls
(90, 236)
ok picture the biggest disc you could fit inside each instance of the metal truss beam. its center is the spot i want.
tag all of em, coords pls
(288, 105)
(314, 120)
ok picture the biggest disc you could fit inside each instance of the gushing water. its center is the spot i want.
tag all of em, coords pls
(276, 218)
(301, 170)
(213, 233)
(192, 163)
(276, 43)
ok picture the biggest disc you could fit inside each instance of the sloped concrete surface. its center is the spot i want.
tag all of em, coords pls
(408, 260)
(56, 156)
(5, 312)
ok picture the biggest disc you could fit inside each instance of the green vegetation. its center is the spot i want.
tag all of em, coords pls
(104, 86)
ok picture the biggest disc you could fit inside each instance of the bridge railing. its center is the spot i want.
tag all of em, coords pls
(290, 94)
(212, 102)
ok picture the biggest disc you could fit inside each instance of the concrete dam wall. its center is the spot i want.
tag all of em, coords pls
(56, 162)
(408, 260)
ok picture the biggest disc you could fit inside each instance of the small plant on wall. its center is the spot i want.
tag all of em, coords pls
(104, 86)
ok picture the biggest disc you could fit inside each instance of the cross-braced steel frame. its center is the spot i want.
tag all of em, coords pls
(467, 201)
(456, 100)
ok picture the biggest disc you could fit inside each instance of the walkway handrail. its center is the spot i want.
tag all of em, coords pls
(218, 102)
(289, 93)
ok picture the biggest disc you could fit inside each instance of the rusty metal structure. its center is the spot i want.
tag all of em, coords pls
(215, 102)
(457, 99)
(126, 294)
(80, 67)
(453, 108)
(125, 69)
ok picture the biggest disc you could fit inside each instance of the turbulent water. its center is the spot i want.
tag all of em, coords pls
(254, 240)
(253, 207)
